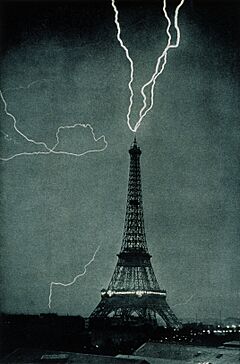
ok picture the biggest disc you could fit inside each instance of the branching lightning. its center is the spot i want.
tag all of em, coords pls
(74, 279)
(29, 85)
(130, 61)
(185, 302)
(49, 150)
(145, 109)
(52, 150)
(163, 56)
(147, 106)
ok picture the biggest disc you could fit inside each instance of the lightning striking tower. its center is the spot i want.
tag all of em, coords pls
(133, 289)
(159, 68)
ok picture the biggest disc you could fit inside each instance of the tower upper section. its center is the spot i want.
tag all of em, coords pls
(134, 239)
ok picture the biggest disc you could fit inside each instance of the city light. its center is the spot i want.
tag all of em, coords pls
(137, 293)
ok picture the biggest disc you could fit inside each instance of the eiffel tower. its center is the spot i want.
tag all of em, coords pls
(133, 291)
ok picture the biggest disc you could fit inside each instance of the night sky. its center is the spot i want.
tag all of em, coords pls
(57, 209)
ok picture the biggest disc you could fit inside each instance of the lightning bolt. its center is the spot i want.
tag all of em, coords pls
(29, 85)
(49, 150)
(73, 281)
(158, 71)
(185, 302)
(130, 61)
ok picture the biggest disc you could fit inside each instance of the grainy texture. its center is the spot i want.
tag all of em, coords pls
(56, 210)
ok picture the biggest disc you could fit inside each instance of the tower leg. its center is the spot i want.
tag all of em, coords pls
(168, 316)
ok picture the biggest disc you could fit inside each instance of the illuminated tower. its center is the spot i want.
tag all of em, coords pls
(134, 290)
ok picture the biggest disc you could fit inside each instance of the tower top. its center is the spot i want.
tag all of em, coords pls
(134, 239)
(134, 149)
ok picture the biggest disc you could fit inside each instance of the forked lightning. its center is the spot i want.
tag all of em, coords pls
(145, 109)
(73, 281)
(147, 106)
(49, 150)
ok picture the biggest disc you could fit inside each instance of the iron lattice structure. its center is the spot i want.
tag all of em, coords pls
(134, 290)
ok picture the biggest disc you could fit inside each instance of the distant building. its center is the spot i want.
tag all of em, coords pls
(232, 344)
(159, 353)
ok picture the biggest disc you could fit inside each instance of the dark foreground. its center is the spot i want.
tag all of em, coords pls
(106, 337)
